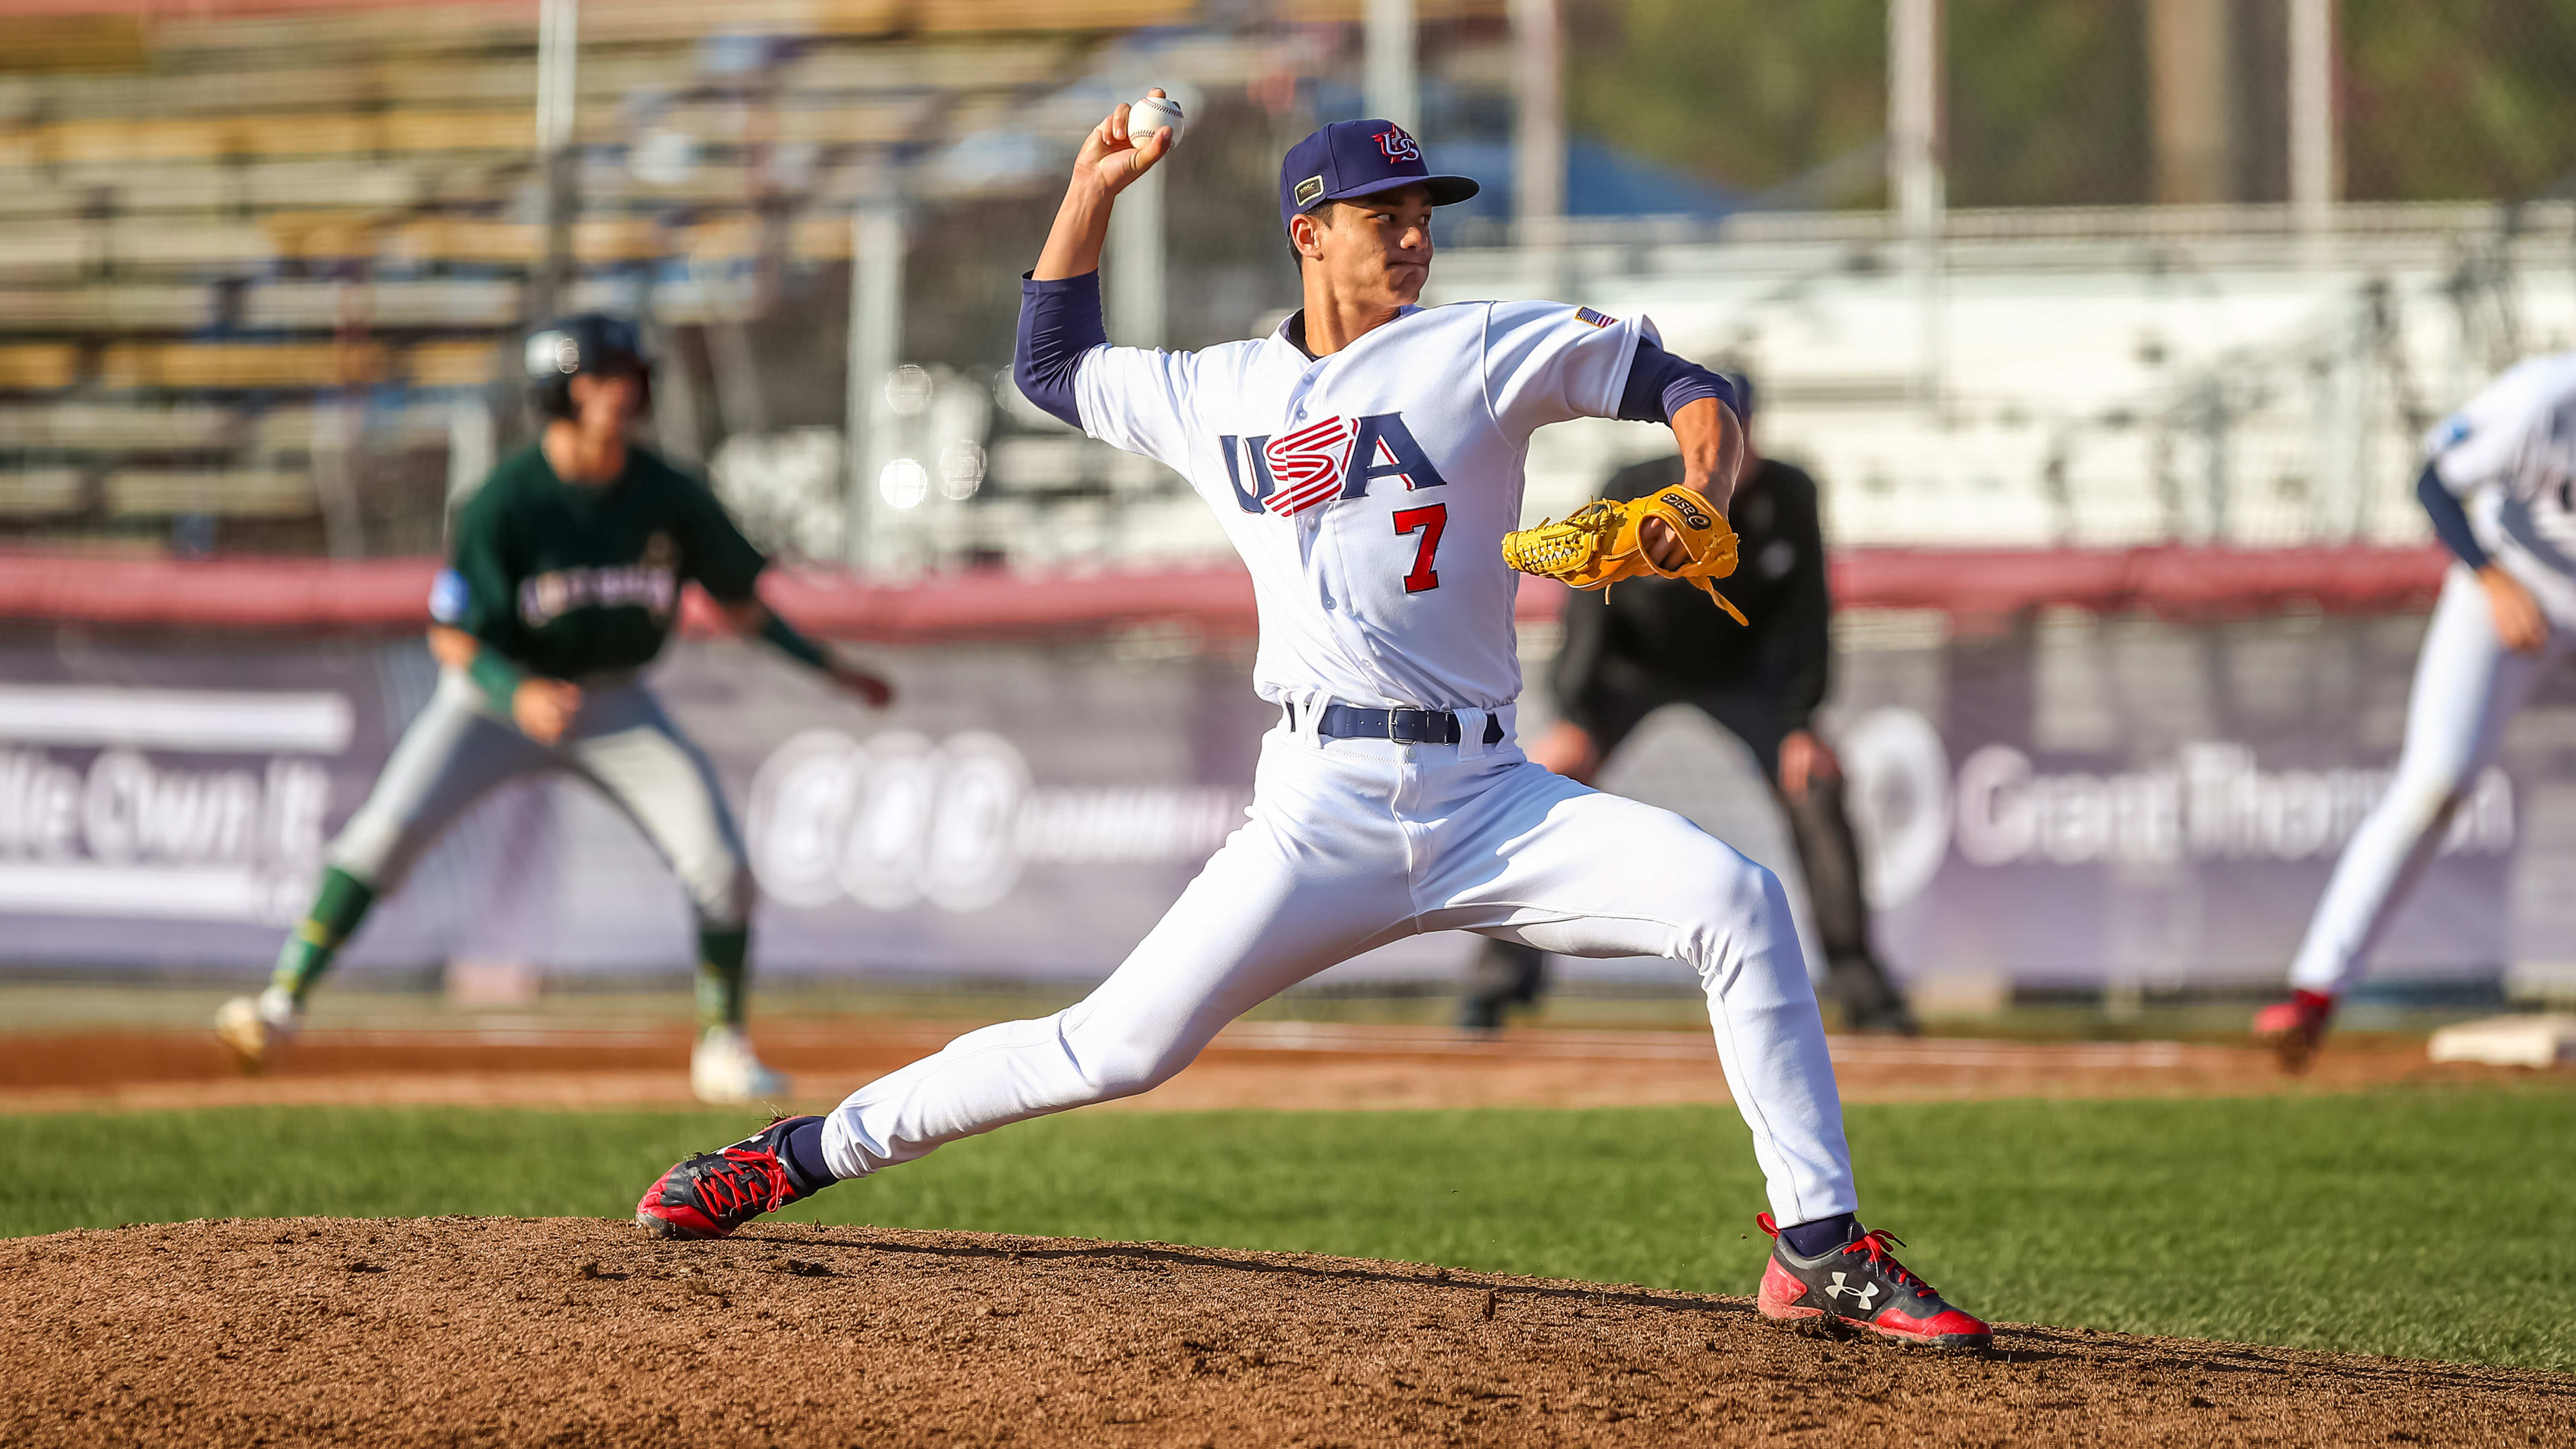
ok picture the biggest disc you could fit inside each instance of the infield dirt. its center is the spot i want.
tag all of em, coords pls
(1270, 1065)
(455, 1331)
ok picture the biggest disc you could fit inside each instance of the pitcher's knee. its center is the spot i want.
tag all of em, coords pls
(1739, 890)
(1130, 1071)
(1743, 919)
(375, 847)
(1114, 1064)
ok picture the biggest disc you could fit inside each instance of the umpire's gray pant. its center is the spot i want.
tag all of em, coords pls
(622, 742)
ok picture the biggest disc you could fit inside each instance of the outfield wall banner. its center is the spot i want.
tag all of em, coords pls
(2078, 804)
(2149, 805)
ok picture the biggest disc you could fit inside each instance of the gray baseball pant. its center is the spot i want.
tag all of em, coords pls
(459, 749)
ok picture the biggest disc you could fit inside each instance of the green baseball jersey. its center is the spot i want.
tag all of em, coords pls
(569, 579)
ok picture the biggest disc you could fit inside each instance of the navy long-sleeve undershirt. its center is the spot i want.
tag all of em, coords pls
(1059, 322)
(2450, 518)
(1660, 385)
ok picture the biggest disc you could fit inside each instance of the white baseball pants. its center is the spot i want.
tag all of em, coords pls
(2467, 687)
(1355, 843)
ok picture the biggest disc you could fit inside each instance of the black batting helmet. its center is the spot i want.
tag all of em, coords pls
(592, 342)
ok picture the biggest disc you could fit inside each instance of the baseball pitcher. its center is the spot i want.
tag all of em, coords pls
(2500, 484)
(563, 585)
(1366, 462)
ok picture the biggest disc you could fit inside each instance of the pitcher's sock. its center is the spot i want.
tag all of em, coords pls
(723, 978)
(803, 1149)
(338, 907)
(1809, 1240)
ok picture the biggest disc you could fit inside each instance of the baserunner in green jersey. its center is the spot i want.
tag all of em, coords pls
(563, 583)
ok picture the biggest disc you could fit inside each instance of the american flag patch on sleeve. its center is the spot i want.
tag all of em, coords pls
(1596, 319)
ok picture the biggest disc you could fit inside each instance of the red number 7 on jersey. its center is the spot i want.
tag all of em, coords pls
(1428, 522)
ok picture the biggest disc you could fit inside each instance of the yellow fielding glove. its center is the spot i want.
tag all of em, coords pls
(1598, 545)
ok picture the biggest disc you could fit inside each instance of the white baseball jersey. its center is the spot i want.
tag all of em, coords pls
(1369, 491)
(2511, 457)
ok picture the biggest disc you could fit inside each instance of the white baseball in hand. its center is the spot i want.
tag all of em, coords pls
(1152, 114)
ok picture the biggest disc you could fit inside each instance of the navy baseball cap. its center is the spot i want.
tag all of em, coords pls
(1358, 158)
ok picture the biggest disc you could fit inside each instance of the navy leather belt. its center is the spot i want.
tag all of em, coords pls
(1404, 726)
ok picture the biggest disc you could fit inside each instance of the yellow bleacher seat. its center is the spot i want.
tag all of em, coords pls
(934, 17)
(319, 234)
(39, 366)
(287, 133)
(633, 21)
(142, 306)
(239, 364)
(233, 493)
(108, 140)
(498, 130)
(75, 43)
(1325, 12)
(452, 364)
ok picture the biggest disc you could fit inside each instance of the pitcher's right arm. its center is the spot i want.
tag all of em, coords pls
(1110, 161)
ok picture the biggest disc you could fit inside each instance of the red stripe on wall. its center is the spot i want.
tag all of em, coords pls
(390, 595)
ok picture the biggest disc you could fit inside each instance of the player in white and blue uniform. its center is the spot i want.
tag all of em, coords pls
(2500, 484)
(1366, 460)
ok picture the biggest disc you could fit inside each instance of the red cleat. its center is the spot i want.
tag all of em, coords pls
(713, 1193)
(1862, 1284)
(2295, 1028)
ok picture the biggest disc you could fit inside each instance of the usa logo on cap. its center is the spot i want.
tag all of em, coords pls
(1397, 145)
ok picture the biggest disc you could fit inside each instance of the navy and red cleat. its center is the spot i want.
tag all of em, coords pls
(713, 1193)
(1862, 1284)
(2295, 1028)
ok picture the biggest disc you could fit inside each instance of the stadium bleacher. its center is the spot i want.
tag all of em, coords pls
(214, 219)
(211, 212)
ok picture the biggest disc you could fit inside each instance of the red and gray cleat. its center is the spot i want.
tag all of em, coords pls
(713, 1193)
(2295, 1028)
(1862, 1284)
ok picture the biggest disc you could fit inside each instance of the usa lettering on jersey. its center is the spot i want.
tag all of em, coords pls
(1335, 458)
(1308, 465)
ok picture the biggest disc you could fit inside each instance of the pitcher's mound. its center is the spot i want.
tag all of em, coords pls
(579, 1331)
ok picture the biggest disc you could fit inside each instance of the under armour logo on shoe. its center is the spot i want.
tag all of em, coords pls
(1865, 1295)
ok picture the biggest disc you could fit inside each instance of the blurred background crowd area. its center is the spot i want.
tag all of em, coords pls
(2055, 273)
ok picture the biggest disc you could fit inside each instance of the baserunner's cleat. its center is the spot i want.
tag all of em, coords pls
(1862, 1284)
(713, 1193)
(256, 1029)
(723, 1069)
(2295, 1028)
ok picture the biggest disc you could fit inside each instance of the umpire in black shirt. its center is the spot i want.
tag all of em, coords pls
(1646, 643)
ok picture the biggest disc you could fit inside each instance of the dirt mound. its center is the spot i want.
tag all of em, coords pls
(579, 1331)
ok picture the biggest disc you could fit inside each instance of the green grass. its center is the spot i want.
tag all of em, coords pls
(2422, 1223)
